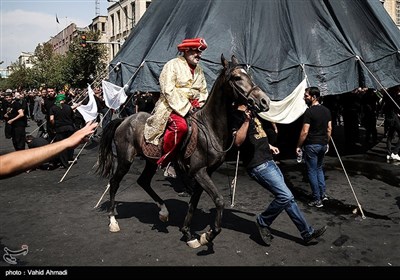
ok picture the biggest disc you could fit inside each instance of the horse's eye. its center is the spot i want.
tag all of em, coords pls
(237, 78)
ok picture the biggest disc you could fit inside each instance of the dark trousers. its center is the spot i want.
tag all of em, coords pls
(68, 154)
(18, 135)
(394, 126)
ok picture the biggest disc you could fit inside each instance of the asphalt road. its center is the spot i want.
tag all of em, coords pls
(61, 227)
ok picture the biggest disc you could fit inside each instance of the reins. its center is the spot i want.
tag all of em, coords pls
(212, 144)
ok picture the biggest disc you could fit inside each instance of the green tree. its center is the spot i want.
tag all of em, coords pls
(50, 67)
(86, 64)
(21, 77)
(79, 67)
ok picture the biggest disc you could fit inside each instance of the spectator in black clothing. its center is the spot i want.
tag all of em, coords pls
(38, 114)
(62, 119)
(7, 109)
(145, 102)
(35, 142)
(17, 120)
(129, 106)
(351, 102)
(47, 104)
(392, 119)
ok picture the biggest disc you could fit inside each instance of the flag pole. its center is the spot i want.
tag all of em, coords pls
(75, 159)
(234, 181)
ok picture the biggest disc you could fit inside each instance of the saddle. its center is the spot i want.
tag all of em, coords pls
(187, 148)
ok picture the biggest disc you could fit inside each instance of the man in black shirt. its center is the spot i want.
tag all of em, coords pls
(315, 136)
(62, 118)
(17, 119)
(250, 136)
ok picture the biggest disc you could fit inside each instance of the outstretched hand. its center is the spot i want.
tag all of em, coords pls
(82, 135)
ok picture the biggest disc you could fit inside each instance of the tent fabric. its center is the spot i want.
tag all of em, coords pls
(338, 44)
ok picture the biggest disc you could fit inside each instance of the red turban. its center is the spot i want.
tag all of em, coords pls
(195, 43)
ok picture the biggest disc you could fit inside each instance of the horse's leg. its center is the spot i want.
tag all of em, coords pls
(122, 169)
(194, 200)
(208, 185)
(144, 181)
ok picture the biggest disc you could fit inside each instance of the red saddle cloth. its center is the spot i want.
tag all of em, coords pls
(155, 151)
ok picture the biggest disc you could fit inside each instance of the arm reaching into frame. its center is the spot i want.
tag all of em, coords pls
(14, 163)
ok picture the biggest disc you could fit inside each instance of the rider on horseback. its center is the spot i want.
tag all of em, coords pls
(183, 90)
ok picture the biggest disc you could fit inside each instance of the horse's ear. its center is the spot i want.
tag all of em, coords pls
(224, 62)
(234, 60)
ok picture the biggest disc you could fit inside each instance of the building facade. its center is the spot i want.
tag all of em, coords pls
(26, 59)
(122, 17)
(64, 38)
(393, 9)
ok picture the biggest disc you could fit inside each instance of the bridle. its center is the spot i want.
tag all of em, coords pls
(240, 92)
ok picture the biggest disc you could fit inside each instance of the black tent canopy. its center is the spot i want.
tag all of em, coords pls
(338, 44)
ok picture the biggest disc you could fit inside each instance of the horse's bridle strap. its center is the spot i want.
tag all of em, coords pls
(240, 91)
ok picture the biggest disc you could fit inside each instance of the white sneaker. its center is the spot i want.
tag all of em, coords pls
(395, 156)
(388, 157)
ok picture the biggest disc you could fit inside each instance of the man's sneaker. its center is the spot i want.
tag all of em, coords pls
(317, 233)
(325, 197)
(265, 234)
(315, 203)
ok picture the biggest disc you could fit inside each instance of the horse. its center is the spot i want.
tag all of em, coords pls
(214, 139)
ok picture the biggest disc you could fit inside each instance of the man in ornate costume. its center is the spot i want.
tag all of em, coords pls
(183, 90)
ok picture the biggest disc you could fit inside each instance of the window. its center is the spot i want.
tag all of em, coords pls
(126, 18)
(119, 22)
(398, 12)
(133, 12)
(103, 27)
(112, 25)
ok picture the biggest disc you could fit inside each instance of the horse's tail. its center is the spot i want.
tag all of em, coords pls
(106, 159)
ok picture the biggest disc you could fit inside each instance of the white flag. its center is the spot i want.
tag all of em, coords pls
(89, 111)
(289, 109)
(114, 96)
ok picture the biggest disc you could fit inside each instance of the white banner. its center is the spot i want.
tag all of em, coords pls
(114, 96)
(89, 111)
(289, 109)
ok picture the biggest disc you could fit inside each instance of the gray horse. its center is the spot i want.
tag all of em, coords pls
(213, 141)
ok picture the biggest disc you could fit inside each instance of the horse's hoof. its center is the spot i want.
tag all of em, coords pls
(163, 219)
(114, 227)
(193, 243)
(203, 239)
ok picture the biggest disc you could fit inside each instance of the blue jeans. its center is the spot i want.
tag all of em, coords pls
(269, 176)
(314, 158)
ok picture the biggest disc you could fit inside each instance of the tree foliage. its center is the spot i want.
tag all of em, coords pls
(77, 68)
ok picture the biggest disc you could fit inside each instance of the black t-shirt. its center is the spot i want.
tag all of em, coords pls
(15, 107)
(62, 117)
(318, 117)
(255, 149)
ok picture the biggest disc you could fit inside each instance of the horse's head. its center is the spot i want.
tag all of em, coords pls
(244, 90)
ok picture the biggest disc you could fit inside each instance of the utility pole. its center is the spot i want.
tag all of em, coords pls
(96, 42)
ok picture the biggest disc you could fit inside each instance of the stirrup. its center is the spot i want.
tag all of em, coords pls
(169, 171)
